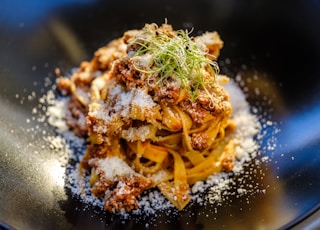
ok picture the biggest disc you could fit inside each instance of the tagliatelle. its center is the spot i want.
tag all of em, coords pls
(154, 102)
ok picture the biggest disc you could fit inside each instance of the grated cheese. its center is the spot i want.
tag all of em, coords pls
(136, 133)
(112, 167)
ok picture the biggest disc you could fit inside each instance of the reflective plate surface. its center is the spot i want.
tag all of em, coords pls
(274, 47)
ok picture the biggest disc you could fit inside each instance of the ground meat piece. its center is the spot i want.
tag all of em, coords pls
(194, 110)
(211, 43)
(75, 117)
(80, 80)
(216, 104)
(199, 141)
(130, 35)
(134, 46)
(92, 124)
(124, 195)
(100, 131)
(94, 151)
(218, 101)
(228, 163)
(228, 158)
(84, 75)
(104, 57)
(101, 186)
(167, 94)
(64, 84)
(126, 74)
(119, 184)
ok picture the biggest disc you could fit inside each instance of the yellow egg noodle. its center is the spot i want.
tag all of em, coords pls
(155, 114)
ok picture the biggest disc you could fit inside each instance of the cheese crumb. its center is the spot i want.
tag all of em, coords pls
(112, 167)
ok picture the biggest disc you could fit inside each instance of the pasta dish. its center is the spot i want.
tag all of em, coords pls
(155, 114)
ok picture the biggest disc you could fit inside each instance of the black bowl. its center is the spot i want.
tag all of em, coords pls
(273, 47)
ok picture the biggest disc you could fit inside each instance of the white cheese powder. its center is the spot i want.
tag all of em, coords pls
(124, 100)
(112, 167)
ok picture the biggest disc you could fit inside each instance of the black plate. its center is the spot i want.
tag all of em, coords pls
(277, 42)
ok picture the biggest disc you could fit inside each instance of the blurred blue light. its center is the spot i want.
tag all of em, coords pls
(18, 12)
(300, 141)
(302, 129)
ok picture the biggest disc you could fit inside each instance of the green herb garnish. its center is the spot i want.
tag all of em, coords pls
(176, 56)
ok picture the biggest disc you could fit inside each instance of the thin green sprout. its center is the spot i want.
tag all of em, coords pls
(177, 57)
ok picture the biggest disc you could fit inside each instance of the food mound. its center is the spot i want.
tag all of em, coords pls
(155, 114)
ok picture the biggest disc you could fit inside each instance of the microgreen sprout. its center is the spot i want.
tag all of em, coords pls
(177, 56)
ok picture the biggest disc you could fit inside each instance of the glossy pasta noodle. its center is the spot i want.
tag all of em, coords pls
(155, 114)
